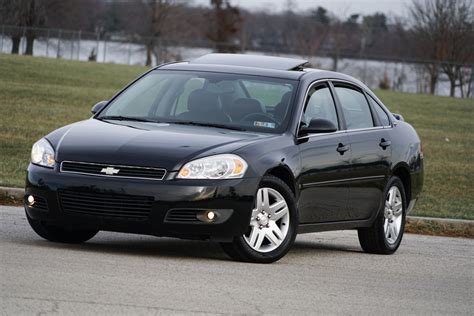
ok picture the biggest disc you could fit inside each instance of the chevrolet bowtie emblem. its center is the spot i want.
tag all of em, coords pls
(110, 170)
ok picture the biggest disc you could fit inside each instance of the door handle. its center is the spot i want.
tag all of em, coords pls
(341, 148)
(384, 143)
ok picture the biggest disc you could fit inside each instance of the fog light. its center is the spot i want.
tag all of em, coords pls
(31, 200)
(210, 215)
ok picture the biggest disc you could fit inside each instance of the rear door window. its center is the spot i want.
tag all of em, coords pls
(354, 106)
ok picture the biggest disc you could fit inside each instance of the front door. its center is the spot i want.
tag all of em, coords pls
(325, 163)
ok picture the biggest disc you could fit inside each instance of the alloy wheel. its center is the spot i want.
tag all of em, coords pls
(270, 221)
(393, 215)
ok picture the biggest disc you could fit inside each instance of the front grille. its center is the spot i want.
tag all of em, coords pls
(106, 204)
(182, 215)
(100, 169)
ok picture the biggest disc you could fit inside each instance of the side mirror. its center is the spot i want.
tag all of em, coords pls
(98, 106)
(318, 126)
(399, 117)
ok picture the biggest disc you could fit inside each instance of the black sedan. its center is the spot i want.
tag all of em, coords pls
(244, 150)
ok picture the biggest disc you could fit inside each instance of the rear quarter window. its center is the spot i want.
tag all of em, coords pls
(380, 112)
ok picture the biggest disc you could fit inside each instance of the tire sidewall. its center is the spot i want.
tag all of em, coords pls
(274, 255)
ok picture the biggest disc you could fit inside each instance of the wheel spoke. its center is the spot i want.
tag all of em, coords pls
(274, 227)
(398, 224)
(277, 206)
(280, 214)
(259, 202)
(260, 237)
(391, 198)
(394, 233)
(390, 231)
(387, 231)
(253, 235)
(266, 200)
(272, 237)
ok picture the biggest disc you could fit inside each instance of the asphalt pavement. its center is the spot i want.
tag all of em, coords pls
(324, 273)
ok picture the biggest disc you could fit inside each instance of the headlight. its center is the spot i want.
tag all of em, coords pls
(42, 153)
(214, 167)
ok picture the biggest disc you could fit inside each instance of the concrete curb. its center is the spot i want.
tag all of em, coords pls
(442, 223)
(12, 193)
(440, 226)
(446, 221)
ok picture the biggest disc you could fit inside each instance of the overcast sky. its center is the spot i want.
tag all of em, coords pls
(342, 8)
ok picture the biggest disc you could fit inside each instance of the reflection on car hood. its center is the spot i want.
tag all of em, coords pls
(144, 144)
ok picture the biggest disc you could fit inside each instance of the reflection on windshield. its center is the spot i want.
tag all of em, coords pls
(237, 102)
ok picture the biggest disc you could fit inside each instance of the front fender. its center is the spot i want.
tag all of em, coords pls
(272, 153)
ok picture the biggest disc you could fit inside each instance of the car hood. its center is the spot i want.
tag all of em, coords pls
(144, 144)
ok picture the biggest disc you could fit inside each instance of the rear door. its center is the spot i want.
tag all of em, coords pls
(371, 151)
(325, 162)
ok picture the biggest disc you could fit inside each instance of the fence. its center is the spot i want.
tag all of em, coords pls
(402, 74)
(115, 48)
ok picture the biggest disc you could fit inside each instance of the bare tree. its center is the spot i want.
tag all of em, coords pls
(147, 20)
(225, 23)
(443, 32)
(34, 16)
(459, 43)
(24, 16)
(158, 11)
(342, 38)
(10, 15)
(306, 36)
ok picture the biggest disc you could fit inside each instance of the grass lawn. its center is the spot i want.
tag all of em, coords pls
(38, 95)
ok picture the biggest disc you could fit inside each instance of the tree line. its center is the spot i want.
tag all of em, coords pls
(437, 35)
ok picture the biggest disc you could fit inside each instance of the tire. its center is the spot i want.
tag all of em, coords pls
(386, 233)
(272, 228)
(58, 234)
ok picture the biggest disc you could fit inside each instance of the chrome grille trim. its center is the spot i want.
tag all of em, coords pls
(142, 171)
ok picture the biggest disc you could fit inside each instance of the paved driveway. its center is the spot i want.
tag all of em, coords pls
(324, 273)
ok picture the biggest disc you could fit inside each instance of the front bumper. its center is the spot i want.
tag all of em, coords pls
(235, 196)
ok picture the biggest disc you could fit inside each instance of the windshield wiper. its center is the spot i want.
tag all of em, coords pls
(234, 128)
(126, 118)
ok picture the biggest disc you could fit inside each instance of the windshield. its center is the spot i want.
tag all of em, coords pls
(239, 102)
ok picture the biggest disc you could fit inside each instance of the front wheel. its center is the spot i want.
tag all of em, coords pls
(272, 228)
(58, 234)
(385, 235)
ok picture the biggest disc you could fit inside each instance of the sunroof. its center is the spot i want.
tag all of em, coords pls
(256, 61)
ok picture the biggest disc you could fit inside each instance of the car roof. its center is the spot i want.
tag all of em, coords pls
(253, 71)
(257, 65)
(257, 61)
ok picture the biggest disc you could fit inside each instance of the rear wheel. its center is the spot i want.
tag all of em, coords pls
(272, 228)
(386, 233)
(58, 234)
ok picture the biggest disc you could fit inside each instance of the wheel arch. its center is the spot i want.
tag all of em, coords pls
(284, 173)
(403, 172)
